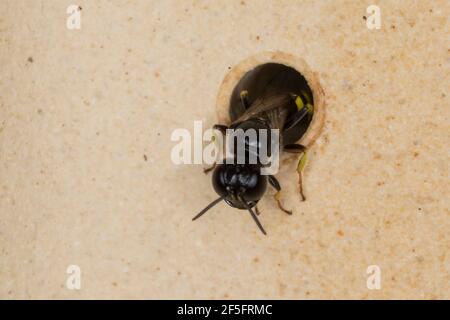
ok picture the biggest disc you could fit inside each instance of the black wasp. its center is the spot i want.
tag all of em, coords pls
(271, 96)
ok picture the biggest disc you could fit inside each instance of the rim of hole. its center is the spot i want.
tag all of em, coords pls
(238, 71)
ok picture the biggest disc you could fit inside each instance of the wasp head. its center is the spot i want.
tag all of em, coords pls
(240, 185)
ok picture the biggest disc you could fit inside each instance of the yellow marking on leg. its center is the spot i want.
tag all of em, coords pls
(300, 166)
(302, 162)
(308, 102)
(243, 94)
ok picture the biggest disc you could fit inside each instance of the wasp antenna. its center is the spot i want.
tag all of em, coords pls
(209, 206)
(254, 216)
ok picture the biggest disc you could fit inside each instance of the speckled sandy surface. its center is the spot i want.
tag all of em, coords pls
(86, 177)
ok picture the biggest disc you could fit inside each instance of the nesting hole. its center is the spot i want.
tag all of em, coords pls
(252, 74)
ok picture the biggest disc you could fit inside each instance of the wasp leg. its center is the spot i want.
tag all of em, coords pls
(207, 170)
(257, 210)
(244, 99)
(222, 128)
(274, 183)
(294, 148)
(298, 148)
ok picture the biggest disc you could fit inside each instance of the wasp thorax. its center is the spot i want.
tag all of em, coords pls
(239, 183)
(252, 142)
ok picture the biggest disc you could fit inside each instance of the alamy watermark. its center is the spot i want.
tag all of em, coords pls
(237, 147)
(74, 19)
(373, 19)
(73, 281)
(374, 277)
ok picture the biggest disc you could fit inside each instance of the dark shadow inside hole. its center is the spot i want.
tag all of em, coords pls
(267, 80)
